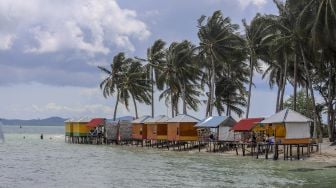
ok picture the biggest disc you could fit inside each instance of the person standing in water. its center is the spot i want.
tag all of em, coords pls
(41, 136)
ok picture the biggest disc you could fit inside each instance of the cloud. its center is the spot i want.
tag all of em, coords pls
(77, 110)
(83, 25)
(259, 3)
(6, 41)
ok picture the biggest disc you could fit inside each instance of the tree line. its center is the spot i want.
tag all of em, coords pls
(297, 46)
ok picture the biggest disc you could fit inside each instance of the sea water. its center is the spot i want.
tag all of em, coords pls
(28, 161)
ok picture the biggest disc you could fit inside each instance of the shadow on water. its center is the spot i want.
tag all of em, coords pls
(304, 170)
(332, 166)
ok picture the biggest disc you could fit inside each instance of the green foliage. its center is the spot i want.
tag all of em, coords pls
(304, 104)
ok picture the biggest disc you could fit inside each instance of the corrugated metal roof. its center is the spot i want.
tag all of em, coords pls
(95, 122)
(79, 120)
(246, 124)
(142, 119)
(69, 120)
(183, 118)
(84, 119)
(286, 116)
(215, 121)
(156, 119)
(163, 120)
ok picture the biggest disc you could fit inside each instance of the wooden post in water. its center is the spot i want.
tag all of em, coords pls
(266, 152)
(291, 154)
(236, 149)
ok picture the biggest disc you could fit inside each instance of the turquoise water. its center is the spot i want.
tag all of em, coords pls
(50, 162)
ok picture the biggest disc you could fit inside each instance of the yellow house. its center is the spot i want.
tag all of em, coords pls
(287, 127)
(80, 127)
(68, 127)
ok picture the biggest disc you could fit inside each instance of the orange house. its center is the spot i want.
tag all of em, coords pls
(182, 128)
(139, 128)
(155, 126)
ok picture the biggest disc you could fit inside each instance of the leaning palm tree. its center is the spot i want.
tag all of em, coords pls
(155, 57)
(111, 83)
(134, 84)
(180, 75)
(253, 36)
(218, 44)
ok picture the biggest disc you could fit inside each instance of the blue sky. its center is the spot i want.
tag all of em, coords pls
(49, 50)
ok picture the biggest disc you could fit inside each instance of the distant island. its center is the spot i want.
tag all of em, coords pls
(52, 121)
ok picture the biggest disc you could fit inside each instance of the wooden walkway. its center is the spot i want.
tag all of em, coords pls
(256, 150)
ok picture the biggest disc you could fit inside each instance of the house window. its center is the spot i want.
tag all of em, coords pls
(141, 131)
(177, 131)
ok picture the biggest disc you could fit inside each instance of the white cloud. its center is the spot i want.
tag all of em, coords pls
(84, 25)
(76, 110)
(259, 3)
(6, 41)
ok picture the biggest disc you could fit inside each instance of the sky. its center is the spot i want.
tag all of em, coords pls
(50, 50)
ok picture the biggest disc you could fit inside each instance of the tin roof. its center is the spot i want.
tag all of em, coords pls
(183, 118)
(95, 122)
(156, 119)
(246, 124)
(216, 121)
(142, 119)
(286, 116)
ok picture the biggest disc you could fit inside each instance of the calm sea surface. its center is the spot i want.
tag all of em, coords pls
(32, 162)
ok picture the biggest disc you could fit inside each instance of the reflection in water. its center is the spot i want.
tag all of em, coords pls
(303, 170)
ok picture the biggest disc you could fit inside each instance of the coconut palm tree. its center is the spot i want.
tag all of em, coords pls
(253, 36)
(218, 43)
(110, 84)
(155, 57)
(134, 84)
(180, 75)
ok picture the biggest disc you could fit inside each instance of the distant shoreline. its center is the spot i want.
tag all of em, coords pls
(33, 125)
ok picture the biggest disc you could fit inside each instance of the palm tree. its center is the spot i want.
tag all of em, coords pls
(110, 84)
(218, 43)
(155, 57)
(180, 75)
(253, 36)
(134, 84)
(321, 32)
(128, 79)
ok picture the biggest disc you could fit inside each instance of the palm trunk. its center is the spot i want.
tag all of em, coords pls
(311, 91)
(333, 122)
(135, 107)
(172, 104)
(295, 83)
(184, 104)
(152, 79)
(278, 98)
(212, 89)
(177, 107)
(284, 80)
(116, 107)
(330, 105)
(207, 107)
(250, 87)
(219, 112)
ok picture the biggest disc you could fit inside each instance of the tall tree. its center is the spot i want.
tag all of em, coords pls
(218, 43)
(253, 36)
(155, 57)
(180, 74)
(110, 84)
(134, 84)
